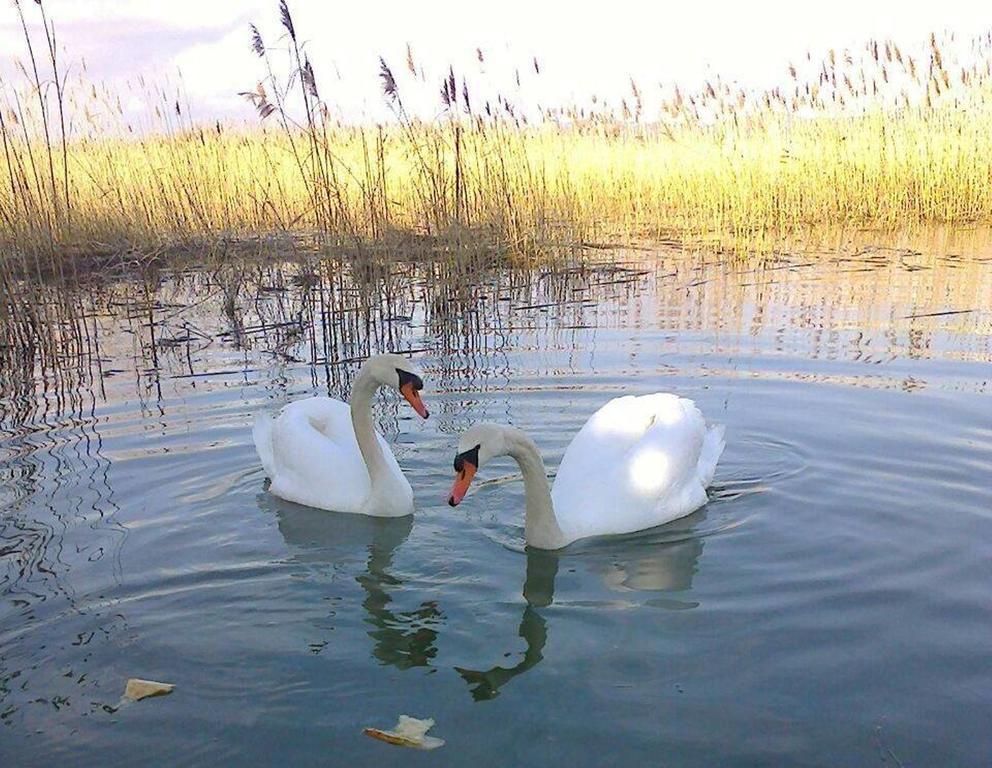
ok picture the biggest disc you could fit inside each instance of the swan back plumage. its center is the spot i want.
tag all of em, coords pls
(638, 462)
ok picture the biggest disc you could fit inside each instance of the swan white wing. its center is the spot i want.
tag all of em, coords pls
(311, 455)
(637, 463)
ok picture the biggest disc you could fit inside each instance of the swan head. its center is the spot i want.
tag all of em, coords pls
(478, 445)
(396, 371)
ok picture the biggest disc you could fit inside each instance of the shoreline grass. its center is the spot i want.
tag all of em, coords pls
(883, 141)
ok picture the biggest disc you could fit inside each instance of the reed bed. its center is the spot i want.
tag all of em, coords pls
(876, 138)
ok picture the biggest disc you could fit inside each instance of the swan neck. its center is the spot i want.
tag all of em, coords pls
(541, 527)
(361, 419)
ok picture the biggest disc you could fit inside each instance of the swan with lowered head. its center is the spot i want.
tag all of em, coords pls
(637, 463)
(324, 453)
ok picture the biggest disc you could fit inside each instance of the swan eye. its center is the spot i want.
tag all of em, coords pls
(405, 377)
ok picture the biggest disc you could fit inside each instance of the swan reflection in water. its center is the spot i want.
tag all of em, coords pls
(402, 639)
(539, 592)
(663, 561)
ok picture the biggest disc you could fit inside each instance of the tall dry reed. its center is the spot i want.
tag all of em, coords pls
(876, 138)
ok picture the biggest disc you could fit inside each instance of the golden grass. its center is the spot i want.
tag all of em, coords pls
(883, 140)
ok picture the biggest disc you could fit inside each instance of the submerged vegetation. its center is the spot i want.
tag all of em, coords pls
(878, 138)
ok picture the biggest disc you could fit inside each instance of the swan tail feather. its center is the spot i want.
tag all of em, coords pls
(261, 433)
(709, 454)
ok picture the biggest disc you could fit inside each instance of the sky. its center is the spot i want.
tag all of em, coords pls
(581, 49)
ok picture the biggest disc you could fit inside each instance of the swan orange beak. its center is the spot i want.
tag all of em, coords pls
(462, 482)
(413, 398)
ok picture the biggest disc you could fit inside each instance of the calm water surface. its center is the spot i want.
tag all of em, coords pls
(830, 606)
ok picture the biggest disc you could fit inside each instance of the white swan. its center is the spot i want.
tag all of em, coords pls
(323, 453)
(637, 463)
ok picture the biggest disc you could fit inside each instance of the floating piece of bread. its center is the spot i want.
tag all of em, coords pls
(409, 732)
(138, 689)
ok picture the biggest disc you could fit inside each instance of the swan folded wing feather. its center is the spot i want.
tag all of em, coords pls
(635, 464)
(316, 460)
(332, 418)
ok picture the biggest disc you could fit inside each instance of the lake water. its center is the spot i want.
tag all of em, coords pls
(831, 605)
